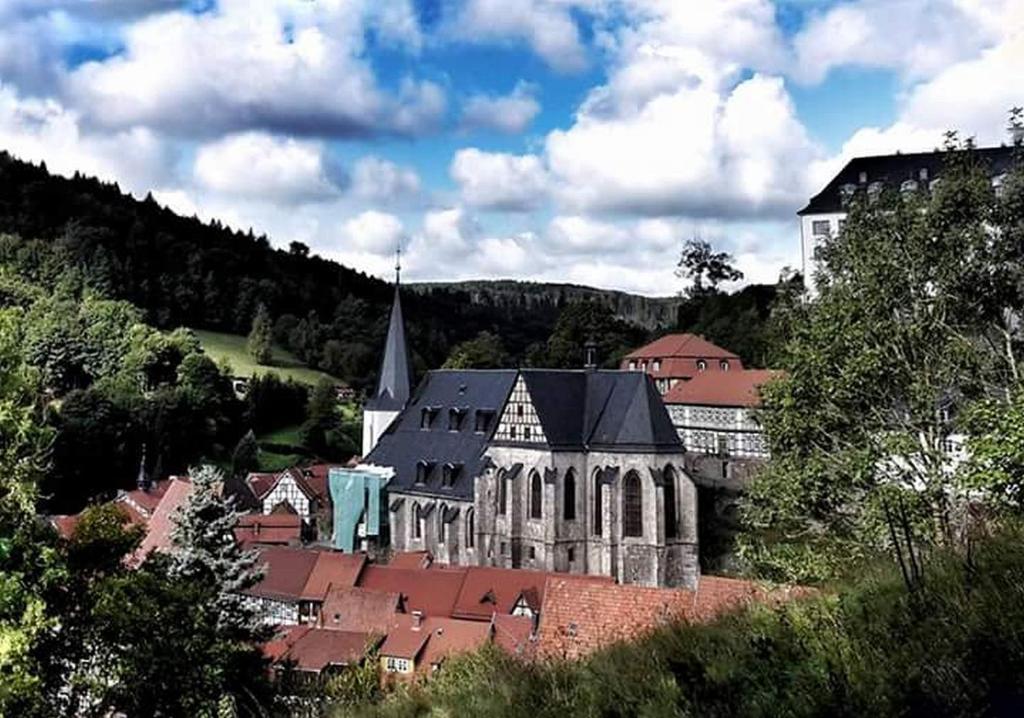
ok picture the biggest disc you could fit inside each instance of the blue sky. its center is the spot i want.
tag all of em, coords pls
(560, 140)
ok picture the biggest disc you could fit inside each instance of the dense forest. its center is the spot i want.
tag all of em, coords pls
(183, 272)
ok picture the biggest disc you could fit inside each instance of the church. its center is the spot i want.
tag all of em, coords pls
(577, 471)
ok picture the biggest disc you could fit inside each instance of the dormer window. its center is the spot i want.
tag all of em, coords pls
(632, 365)
(862, 178)
(455, 417)
(908, 186)
(922, 174)
(423, 469)
(997, 184)
(657, 365)
(701, 365)
(427, 415)
(723, 365)
(483, 420)
(449, 474)
(847, 190)
(874, 191)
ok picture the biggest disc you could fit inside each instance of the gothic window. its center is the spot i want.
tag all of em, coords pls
(442, 527)
(417, 521)
(470, 529)
(569, 498)
(632, 506)
(536, 496)
(598, 519)
(502, 493)
(671, 518)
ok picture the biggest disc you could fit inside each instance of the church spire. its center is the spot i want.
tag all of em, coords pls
(393, 386)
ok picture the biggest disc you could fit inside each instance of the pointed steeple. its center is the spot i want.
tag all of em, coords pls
(393, 386)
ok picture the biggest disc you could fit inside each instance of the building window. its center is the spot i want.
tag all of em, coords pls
(449, 474)
(396, 665)
(470, 529)
(519, 409)
(504, 548)
(598, 520)
(417, 521)
(820, 228)
(632, 365)
(701, 365)
(483, 421)
(502, 493)
(572, 554)
(526, 433)
(533, 553)
(632, 506)
(422, 471)
(671, 519)
(455, 419)
(569, 496)
(442, 527)
(536, 496)
(426, 416)
(723, 365)
(657, 365)
(512, 433)
(862, 177)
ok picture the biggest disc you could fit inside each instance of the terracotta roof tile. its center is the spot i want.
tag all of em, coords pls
(269, 529)
(286, 571)
(432, 591)
(332, 569)
(681, 345)
(434, 640)
(487, 590)
(513, 634)
(359, 609)
(411, 559)
(729, 388)
(161, 522)
(314, 649)
(261, 484)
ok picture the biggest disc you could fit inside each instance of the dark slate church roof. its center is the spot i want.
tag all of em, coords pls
(578, 410)
(393, 386)
(893, 170)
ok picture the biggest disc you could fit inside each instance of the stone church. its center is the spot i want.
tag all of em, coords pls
(579, 471)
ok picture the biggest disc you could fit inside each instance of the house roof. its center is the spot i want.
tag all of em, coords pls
(65, 524)
(314, 649)
(681, 345)
(433, 591)
(513, 634)
(286, 571)
(279, 529)
(893, 170)
(731, 388)
(261, 484)
(144, 501)
(578, 618)
(434, 640)
(332, 569)
(405, 444)
(488, 591)
(359, 609)
(393, 383)
(312, 481)
(160, 525)
(411, 559)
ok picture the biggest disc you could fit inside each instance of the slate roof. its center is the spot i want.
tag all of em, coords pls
(893, 170)
(733, 388)
(404, 444)
(393, 384)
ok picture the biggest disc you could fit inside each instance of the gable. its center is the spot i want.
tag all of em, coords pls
(519, 421)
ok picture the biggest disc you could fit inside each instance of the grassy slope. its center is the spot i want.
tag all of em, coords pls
(231, 348)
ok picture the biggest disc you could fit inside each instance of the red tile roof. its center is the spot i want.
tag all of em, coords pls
(161, 522)
(311, 480)
(145, 501)
(729, 388)
(65, 524)
(513, 634)
(280, 529)
(488, 590)
(314, 649)
(579, 618)
(286, 571)
(432, 591)
(411, 559)
(261, 484)
(434, 640)
(681, 345)
(332, 569)
(359, 609)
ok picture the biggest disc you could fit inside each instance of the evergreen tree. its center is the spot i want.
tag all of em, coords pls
(246, 455)
(261, 337)
(206, 551)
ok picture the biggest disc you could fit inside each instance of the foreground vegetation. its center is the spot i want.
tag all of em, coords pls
(954, 647)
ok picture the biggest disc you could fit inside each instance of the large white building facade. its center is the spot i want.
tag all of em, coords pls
(826, 212)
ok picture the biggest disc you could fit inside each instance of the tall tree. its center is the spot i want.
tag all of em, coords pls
(705, 268)
(261, 336)
(484, 351)
(915, 319)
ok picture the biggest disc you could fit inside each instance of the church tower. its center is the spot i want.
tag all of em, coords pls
(393, 386)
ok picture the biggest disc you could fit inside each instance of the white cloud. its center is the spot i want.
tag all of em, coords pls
(374, 232)
(917, 38)
(547, 26)
(257, 165)
(510, 114)
(279, 66)
(500, 181)
(378, 180)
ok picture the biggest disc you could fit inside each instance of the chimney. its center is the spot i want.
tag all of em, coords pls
(417, 620)
(590, 351)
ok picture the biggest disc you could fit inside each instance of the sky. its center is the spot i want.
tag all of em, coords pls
(573, 141)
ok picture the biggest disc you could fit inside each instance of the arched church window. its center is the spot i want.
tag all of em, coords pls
(470, 529)
(442, 527)
(632, 506)
(569, 496)
(536, 496)
(671, 514)
(502, 493)
(417, 521)
(598, 518)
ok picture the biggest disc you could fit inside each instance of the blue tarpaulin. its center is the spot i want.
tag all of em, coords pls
(356, 494)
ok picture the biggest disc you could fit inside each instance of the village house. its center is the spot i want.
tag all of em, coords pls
(677, 358)
(302, 491)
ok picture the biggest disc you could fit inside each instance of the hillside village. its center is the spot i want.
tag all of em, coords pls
(549, 513)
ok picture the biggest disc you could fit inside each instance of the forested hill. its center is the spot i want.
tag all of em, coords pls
(184, 272)
(648, 312)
